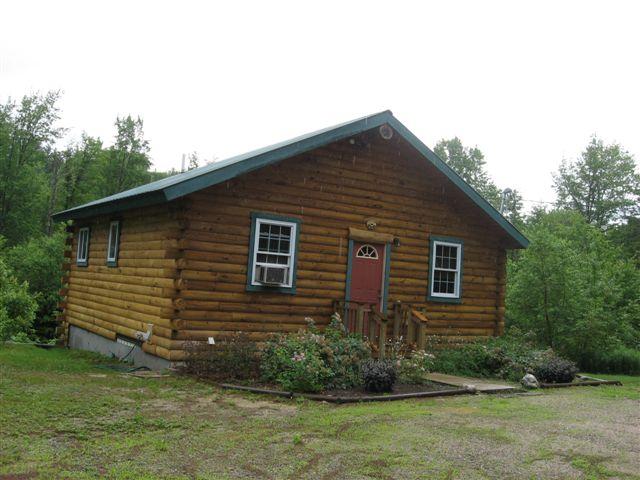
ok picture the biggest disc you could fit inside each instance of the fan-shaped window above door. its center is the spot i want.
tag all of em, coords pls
(367, 251)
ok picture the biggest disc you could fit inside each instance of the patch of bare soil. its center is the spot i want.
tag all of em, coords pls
(261, 407)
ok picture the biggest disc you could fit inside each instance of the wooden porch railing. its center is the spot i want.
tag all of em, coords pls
(405, 323)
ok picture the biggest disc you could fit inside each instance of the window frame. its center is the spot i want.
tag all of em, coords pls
(456, 297)
(83, 262)
(258, 218)
(113, 261)
(377, 255)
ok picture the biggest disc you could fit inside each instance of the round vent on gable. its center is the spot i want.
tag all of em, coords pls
(386, 132)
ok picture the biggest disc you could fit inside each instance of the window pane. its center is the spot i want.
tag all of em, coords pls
(83, 240)
(274, 238)
(273, 245)
(113, 241)
(438, 256)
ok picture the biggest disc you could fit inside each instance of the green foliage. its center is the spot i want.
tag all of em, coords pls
(573, 288)
(510, 357)
(27, 135)
(469, 163)
(627, 236)
(38, 262)
(602, 184)
(343, 354)
(234, 358)
(81, 172)
(127, 161)
(17, 308)
(619, 360)
(379, 376)
(295, 363)
(549, 368)
(413, 367)
(309, 361)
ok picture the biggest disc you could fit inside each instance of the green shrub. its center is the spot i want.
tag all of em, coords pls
(574, 288)
(234, 358)
(311, 361)
(619, 360)
(414, 366)
(550, 368)
(17, 308)
(38, 261)
(379, 376)
(343, 354)
(510, 357)
(294, 362)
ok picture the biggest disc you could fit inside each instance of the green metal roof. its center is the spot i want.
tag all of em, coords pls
(185, 183)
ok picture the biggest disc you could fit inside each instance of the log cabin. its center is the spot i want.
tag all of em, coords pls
(361, 218)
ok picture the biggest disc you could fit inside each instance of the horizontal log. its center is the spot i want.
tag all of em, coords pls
(111, 335)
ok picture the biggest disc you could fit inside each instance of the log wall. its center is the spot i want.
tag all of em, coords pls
(331, 189)
(139, 290)
(183, 266)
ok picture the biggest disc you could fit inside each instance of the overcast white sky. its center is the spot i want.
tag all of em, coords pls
(527, 82)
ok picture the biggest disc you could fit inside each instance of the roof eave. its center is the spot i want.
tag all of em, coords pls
(138, 201)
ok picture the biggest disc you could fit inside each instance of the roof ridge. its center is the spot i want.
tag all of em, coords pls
(184, 183)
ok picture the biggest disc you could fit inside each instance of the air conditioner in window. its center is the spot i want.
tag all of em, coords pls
(271, 275)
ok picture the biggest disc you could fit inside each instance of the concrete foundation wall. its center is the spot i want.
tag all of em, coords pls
(84, 340)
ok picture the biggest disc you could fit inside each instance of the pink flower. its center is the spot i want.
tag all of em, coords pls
(298, 357)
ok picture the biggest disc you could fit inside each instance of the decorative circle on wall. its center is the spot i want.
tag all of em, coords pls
(367, 251)
(386, 132)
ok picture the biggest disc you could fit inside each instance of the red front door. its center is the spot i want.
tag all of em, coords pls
(367, 270)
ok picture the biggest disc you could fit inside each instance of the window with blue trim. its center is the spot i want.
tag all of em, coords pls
(273, 252)
(113, 243)
(446, 269)
(82, 255)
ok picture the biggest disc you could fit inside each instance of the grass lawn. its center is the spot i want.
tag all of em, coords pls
(62, 416)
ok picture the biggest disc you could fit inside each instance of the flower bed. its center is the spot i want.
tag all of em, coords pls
(313, 362)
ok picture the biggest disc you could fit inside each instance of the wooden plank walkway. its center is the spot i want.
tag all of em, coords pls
(485, 386)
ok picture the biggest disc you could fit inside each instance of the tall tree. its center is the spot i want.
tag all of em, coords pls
(627, 236)
(27, 132)
(127, 161)
(82, 180)
(469, 163)
(602, 184)
(573, 287)
(54, 165)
